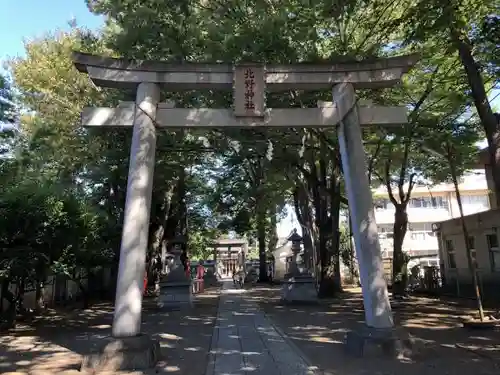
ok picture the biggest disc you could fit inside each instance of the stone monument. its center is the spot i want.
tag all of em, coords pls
(299, 286)
(210, 277)
(175, 285)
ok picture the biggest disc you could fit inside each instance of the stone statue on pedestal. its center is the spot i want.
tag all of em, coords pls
(175, 285)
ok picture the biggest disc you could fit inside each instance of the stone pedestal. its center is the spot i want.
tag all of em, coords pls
(299, 289)
(175, 295)
(175, 286)
(372, 342)
(123, 354)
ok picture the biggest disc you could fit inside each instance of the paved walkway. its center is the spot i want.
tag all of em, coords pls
(245, 341)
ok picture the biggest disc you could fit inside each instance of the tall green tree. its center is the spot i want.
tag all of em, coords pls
(7, 109)
(464, 28)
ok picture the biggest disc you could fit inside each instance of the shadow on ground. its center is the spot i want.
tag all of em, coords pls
(56, 342)
(441, 346)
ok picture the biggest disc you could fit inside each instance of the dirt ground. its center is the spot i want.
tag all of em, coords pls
(441, 346)
(54, 344)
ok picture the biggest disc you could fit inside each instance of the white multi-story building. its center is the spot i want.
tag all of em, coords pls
(427, 205)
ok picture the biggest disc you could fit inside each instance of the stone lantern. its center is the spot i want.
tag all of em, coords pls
(175, 284)
(296, 264)
(299, 286)
(173, 266)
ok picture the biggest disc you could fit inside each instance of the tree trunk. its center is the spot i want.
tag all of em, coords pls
(19, 301)
(330, 280)
(261, 239)
(465, 232)
(172, 222)
(323, 230)
(39, 300)
(399, 272)
(6, 293)
(39, 285)
(352, 256)
(273, 237)
(10, 313)
(84, 293)
(183, 224)
(304, 216)
(158, 238)
(482, 104)
(176, 218)
(335, 199)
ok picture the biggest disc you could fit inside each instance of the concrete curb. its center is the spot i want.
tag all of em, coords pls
(314, 369)
(211, 357)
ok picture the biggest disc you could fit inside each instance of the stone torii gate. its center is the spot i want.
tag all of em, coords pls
(249, 83)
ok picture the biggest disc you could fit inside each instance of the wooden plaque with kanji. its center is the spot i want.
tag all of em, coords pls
(249, 90)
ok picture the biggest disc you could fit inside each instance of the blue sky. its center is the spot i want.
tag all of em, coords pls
(30, 18)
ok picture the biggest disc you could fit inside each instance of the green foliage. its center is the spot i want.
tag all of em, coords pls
(67, 185)
(43, 226)
(7, 109)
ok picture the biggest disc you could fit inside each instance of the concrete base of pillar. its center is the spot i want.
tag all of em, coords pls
(299, 290)
(371, 342)
(123, 354)
(175, 295)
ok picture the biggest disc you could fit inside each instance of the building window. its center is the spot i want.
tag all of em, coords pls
(385, 231)
(382, 203)
(494, 251)
(418, 236)
(450, 250)
(421, 231)
(428, 202)
(480, 200)
(471, 241)
(386, 236)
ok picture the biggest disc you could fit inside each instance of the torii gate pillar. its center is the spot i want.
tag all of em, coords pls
(378, 313)
(131, 269)
(131, 349)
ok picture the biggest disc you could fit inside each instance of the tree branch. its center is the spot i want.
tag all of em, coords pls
(371, 163)
(411, 184)
(387, 181)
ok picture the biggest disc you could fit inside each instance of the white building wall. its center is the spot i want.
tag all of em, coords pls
(484, 240)
(429, 204)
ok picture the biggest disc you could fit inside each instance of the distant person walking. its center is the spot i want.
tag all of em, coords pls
(145, 281)
(200, 271)
(270, 269)
(200, 274)
(188, 268)
(239, 277)
(270, 272)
